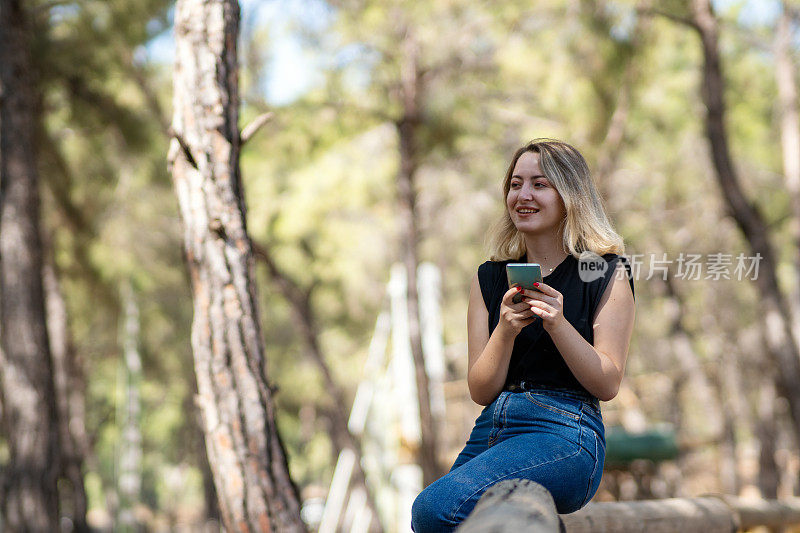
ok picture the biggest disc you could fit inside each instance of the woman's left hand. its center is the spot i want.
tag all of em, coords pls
(547, 305)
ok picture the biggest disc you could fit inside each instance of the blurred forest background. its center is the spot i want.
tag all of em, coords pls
(334, 197)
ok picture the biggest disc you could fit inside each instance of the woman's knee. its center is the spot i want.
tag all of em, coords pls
(428, 513)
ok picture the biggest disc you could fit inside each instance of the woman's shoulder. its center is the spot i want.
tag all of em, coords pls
(494, 264)
(614, 260)
(490, 274)
(490, 268)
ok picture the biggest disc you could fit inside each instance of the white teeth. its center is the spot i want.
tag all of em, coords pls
(527, 211)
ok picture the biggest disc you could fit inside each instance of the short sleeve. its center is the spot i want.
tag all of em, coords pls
(612, 260)
(486, 282)
(600, 285)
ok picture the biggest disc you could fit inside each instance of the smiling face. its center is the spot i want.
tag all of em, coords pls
(533, 203)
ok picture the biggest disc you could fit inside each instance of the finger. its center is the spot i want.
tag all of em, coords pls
(526, 313)
(517, 310)
(547, 289)
(510, 293)
(540, 296)
(541, 309)
(520, 307)
(518, 300)
(527, 320)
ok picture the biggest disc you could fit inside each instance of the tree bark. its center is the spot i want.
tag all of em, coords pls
(777, 317)
(246, 454)
(407, 125)
(30, 498)
(198, 450)
(70, 389)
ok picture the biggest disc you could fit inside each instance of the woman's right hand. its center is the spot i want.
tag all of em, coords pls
(514, 317)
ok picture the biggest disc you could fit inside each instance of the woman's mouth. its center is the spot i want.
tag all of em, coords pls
(527, 211)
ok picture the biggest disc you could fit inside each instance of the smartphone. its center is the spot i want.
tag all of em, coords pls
(523, 275)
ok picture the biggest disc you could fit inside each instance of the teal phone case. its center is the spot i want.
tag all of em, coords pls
(523, 275)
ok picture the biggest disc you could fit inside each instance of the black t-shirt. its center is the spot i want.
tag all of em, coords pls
(535, 358)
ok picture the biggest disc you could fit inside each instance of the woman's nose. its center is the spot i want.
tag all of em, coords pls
(526, 191)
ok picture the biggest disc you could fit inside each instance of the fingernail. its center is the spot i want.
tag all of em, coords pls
(535, 284)
(519, 289)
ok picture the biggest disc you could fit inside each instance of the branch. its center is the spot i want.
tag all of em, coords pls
(60, 182)
(47, 6)
(153, 106)
(291, 290)
(117, 115)
(457, 64)
(792, 11)
(252, 128)
(187, 151)
(369, 111)
(755, 41)
(651, 11)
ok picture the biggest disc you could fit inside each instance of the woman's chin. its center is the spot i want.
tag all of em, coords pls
(531, 229)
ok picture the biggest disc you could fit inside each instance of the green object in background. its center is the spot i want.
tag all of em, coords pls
(656, 444)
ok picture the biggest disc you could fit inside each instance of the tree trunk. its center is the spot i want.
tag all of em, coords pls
(728, 387)
(70, 389)
(692, 374)
(428, 457)
(766, 431)
(246, 454)
(210, 496)
(198, 450)
(785, 74)
(777, 320)
(30, 498)
(130, 456)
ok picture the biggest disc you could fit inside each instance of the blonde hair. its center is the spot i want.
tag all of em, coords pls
(585, 226)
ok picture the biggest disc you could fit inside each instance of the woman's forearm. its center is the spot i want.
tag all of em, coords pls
(488, 374)
(593, 369)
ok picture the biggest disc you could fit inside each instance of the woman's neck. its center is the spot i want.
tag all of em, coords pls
(546, 250)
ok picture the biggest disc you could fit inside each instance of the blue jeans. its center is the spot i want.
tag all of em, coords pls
(551, 436)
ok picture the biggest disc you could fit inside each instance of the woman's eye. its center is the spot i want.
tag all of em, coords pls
(515, 185)
(543, 184)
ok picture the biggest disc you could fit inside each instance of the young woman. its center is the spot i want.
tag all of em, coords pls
(540, 366)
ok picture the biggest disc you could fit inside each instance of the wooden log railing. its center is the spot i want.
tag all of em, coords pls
(518, 505)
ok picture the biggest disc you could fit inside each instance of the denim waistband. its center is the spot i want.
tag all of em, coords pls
(529, 386)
